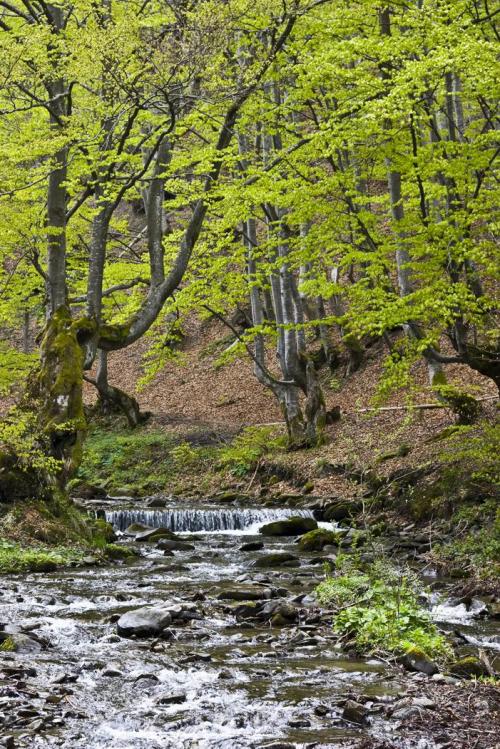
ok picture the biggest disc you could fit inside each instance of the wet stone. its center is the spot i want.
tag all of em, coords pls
(177, 698)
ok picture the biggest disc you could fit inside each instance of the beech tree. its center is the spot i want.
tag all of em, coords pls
(99, 102)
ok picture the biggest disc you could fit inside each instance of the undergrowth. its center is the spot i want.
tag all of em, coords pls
(376, 607)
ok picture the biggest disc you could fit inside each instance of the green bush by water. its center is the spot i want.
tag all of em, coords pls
(376, 607)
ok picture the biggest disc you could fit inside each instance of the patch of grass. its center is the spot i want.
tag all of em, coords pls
(377, 609)
(16, 558)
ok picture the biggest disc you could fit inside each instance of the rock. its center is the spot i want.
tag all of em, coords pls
(279, 559)
(294, 526)
(123, 492)
(225, 674)
(8, 742)
(354, 712)
(156, 502)
(173, 544)
(240, 594)
(404, 713)
(112, 672)
(19, 643)
(177, 698)
(252, 546)
(424, 702)
(341, 509)
(494, 610)
(417, 660)
(284, 616)
(145, 622)
(315, 540)
(135, 528)
(468, 667)
(84, 490)
(154, 535)
(299, 723)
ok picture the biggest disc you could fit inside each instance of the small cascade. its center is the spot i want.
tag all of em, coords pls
(182, 520)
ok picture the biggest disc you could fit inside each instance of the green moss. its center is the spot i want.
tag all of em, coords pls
(114, 551)
(8, 645)
(16, 558)
(315, 540)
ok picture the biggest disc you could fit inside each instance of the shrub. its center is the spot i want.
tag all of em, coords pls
(377, 608)
(248, 447)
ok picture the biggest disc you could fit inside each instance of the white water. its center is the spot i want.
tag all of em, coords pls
(195, 520)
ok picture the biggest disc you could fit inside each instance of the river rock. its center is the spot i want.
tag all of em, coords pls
(177, 698)
(135, 528)
(416, 660)
(279, 559)
(294, 526)
(173, 544)
(354, 712)
(315, 540)
(341, 509)
(20, 643)
(252, 546)
(468, 667)
(146, 622)
(252, 594)
(154, 535)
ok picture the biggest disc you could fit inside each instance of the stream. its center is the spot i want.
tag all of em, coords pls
(218, 676)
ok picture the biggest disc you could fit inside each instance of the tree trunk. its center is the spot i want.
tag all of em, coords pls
(111, 399)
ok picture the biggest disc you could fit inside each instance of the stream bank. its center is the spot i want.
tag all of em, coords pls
(220, 675)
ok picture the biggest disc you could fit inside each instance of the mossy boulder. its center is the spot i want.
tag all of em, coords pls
(416, 659)
(294, 526)
(315, 540)
(468, 668)
(341, 509)
(115, 551)
(279, 559)
(86, 490)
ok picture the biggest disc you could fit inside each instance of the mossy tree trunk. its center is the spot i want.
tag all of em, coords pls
(55, 391)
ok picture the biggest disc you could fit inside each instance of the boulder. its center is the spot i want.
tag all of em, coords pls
(252, 546)
(417, 660)
(317, 539)
(279, 559)
(341, 509)
(145, 622)
(176, 698)
(354, 712)
(469, 667)
(84, 490)
(19, 643)
(174, 544)
(294, 526)
(135, 528)
(154, 535)
(249, 594)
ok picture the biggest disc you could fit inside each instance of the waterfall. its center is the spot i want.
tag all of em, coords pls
(193, 520)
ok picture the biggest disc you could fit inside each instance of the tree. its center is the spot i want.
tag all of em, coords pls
(101, 103)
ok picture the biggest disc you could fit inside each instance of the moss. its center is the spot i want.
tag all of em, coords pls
(8, 645)
(317, 539)
(114, 551)
(115, 334)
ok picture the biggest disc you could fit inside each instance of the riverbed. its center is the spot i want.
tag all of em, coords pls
(218, 677)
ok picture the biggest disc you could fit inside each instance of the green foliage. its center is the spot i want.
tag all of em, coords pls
(16, 558)
(184, 455)
(474, 551)
(377, 608)
(474, 451)
(247, 448)
(141, 460)
(20, 438)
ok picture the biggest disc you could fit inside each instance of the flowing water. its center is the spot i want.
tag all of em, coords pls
(216, 679)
